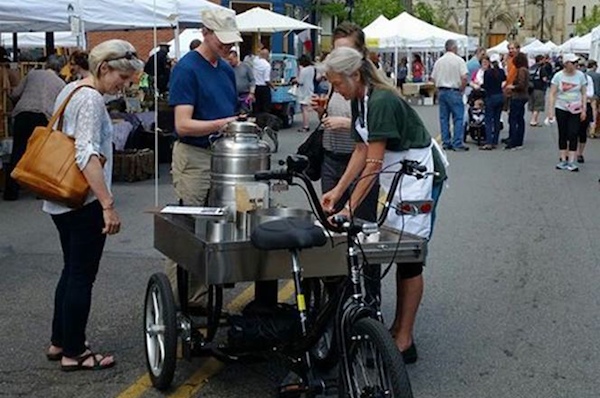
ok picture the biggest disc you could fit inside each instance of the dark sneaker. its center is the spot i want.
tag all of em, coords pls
(460, 149)
(580, 159)
(505, 140)
(447, 147)
(410, 354)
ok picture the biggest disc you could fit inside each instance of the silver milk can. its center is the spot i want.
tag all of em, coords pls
(236, 156)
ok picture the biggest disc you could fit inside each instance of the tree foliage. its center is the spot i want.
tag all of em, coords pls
(333, 9)
(365, 11)
(426, 12)
(589, 22)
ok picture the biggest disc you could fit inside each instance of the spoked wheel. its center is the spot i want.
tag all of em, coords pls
(374, 367)
(160, 331)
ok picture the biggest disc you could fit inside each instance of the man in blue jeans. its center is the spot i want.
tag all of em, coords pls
(450, 77)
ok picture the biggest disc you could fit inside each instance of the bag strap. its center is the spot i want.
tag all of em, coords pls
(329, 95)
(58, 115)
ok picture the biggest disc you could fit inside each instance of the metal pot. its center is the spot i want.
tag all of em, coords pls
(236, 156)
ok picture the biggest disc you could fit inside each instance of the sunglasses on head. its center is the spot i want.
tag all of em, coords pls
(129, 55)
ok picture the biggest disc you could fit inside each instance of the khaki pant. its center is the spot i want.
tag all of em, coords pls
(191, 180)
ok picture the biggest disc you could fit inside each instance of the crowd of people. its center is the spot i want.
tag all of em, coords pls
(367, 127)
(565, 88)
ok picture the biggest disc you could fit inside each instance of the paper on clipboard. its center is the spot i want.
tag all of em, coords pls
(194, 210)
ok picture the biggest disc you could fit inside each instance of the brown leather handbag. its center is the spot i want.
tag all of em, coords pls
(48, 166)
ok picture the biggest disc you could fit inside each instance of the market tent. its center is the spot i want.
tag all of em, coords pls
(33, 15)
(407, 31)
(375, 27)
(185, 37)
(582, 45)
(550, 46)
(566, 46)
(265, 21)
(500, 48)
(38, 39)
(534, 48)
(595, 50)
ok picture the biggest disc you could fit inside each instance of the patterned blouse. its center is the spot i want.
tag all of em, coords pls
(87, 120)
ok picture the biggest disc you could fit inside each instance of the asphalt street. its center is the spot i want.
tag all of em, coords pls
(510, 307)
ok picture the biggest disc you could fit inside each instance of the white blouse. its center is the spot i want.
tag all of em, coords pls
(87, 120)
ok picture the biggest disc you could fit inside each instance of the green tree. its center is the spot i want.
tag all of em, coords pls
(426, 12)
(365, 11)
(589, 22)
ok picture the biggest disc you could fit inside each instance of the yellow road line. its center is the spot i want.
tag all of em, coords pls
(137, 388)
(241, 300)
(191, 386)
(286, 292)
(211, 366)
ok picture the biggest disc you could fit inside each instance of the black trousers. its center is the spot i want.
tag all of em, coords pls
(82, 244)
(263, 100)
(568, 130)
(24, 124)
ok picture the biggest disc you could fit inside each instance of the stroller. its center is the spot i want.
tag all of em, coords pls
(475, 125)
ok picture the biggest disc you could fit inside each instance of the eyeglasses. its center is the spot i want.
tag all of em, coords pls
(129, 55)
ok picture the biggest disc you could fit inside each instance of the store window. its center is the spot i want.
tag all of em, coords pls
(583, 12)
(572, 14)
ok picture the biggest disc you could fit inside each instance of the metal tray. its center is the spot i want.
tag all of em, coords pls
(239, 261)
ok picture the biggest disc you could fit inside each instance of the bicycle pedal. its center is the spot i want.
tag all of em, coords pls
(292, 390)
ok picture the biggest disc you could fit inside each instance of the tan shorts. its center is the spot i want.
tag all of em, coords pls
(191, 180)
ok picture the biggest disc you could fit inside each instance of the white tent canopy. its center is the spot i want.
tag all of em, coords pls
(186, 36)
(265, 21)
(374, 28)
(595, 50)
(500, 48)
(566, 46)
(582, 45)
(534, 48)
(550, 46)
(49, 16)
(38, 39)
(407, 31)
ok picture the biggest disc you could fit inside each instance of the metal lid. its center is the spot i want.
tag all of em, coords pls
(242, 127)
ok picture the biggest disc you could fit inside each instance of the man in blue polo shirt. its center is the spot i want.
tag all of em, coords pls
(203, 92)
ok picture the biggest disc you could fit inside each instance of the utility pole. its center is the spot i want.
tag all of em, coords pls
(542, 21)
(467, 18)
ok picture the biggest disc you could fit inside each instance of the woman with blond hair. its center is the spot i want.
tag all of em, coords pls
(83, 231)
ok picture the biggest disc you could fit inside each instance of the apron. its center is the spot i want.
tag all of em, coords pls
(409, 187)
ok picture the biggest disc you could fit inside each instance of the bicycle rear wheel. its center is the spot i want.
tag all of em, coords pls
(373, 366)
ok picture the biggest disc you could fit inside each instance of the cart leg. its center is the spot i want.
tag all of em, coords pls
(182, 288)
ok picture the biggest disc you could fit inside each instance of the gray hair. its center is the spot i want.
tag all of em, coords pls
(55, 63)
(118, 54)
(451, 45)
(347, 60)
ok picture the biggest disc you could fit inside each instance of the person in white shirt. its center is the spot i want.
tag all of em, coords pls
(262, 78)
(450, 77)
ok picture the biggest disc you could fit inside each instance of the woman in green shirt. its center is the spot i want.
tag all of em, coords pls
(386, 130)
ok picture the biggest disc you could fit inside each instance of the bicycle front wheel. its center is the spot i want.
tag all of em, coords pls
(373, 365)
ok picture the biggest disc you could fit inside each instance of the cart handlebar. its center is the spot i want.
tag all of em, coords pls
(295, 165)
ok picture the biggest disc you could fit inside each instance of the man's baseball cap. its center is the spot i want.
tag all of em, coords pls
(223, 23)
(570, 57)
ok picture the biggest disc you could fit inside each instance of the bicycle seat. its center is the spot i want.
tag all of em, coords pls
(287, 233)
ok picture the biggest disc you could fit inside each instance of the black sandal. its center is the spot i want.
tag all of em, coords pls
(82, 358)
(58, 356)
